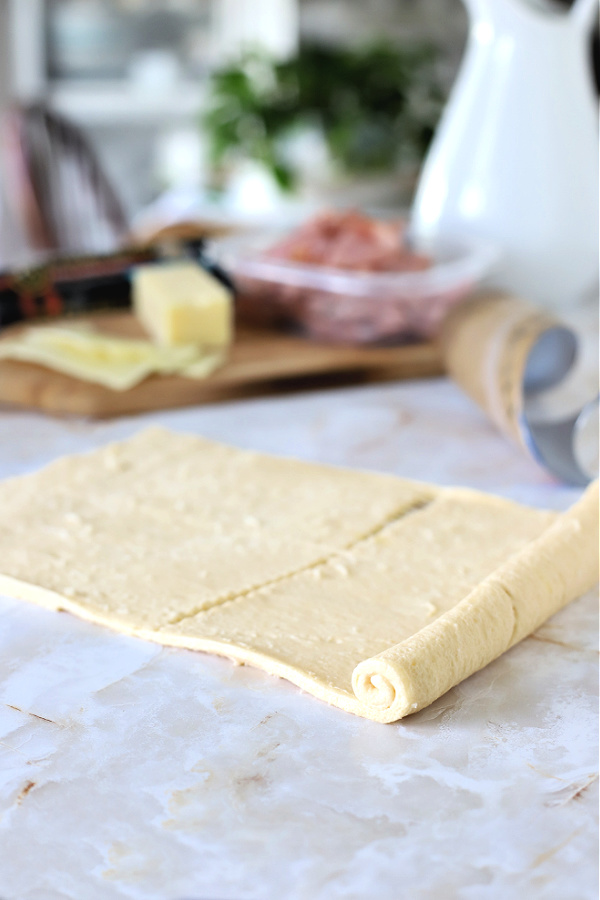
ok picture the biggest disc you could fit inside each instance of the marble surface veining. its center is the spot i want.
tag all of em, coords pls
(133, 771)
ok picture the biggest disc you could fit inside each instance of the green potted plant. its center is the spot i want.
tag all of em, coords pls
(327, 118)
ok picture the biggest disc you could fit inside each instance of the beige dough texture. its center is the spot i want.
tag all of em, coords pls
(374, 593)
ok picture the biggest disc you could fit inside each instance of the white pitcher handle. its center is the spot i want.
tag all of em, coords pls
(583, 13)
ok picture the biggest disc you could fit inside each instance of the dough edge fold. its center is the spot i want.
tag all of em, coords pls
(506, 607)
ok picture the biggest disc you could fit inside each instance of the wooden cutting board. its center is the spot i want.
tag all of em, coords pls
(262, 361)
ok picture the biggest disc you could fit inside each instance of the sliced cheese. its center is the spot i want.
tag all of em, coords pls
(113, 362)
(181, 303)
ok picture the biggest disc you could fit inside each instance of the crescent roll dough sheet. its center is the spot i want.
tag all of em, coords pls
(373, 593)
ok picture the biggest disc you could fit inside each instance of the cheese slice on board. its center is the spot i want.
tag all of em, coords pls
(373, 593)
(114, 362)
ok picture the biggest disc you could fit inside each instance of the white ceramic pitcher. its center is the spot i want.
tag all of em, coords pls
(515, 157)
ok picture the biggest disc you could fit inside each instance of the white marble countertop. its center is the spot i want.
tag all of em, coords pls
(134, 771)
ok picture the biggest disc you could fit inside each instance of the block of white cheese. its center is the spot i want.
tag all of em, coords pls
(181, 303)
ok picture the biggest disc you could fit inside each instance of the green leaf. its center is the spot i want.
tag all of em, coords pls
(375, 104)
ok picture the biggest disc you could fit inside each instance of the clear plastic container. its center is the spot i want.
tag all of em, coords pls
(338, 305)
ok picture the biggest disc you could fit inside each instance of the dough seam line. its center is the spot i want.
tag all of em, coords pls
(397, 516)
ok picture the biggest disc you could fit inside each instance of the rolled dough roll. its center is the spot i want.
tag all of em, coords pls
(373, 593)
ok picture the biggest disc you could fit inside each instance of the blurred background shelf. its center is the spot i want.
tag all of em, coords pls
(110, 103)
(134, 73)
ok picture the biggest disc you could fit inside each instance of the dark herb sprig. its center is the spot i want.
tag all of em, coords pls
(376, 107)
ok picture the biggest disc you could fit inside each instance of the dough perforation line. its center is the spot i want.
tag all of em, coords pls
(417, 506)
